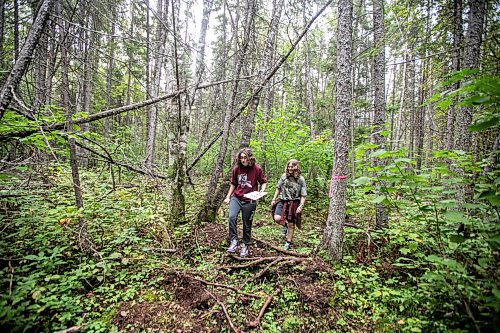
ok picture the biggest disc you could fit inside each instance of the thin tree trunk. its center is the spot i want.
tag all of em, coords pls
(410, 104)
(16, 30)
(463, 140)
(109, 78)
(471, 60)
(207, 213)
(379, 97)
(2, 27)
(178, 208)
(455, 66)
(333, 236)
(160, 39)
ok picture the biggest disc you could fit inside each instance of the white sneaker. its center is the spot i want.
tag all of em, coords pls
(244, 250)
(287, 246)
(232, 247)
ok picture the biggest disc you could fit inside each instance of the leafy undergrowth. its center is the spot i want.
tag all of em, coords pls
(147, 274)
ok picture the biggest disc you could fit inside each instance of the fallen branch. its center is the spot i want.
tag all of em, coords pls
(224, 309)
(262, 272)
(256, 322)
(279, 249)
(71, 329)
(111, 112)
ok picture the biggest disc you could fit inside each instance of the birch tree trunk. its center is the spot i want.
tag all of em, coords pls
(333, 236)
(379, 96)
(179, 125)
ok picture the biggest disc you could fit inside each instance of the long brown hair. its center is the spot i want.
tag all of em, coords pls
(249, 153)
(296, 173)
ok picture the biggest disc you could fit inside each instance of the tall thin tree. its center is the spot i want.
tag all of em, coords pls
(333, 236)
(379, 95)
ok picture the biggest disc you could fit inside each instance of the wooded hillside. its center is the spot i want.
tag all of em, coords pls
(121, 120)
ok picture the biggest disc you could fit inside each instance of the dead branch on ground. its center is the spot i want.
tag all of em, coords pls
(291, 253)
(256, 322)
(224, 309)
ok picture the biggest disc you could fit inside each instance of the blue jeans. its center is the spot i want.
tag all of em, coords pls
(247, 210)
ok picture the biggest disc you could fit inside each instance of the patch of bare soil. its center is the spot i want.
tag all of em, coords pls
(313, 286)
(214, 234)
(157, 317)
(181, 315)
(190, 293)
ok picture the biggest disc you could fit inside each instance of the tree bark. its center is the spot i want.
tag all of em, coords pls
(379, 97)
(2, 27)
(463, 140)
(471, 60)
(455, 66)
(333, 236)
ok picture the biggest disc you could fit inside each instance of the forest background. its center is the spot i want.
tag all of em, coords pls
(119, 122)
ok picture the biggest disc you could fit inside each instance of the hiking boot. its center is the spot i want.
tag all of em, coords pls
(244, 250)
(232, 247)
(284, 230)
(287, 246)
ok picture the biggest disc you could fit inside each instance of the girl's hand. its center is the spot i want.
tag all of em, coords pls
(273, 201)
(299, 209)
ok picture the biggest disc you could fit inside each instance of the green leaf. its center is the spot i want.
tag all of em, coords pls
(483, 125)
(403, 160)
(444, 104)
(455, 216)
(457, 239)
(404, 250)
(115, 255)
(496, 292)
(434, 258)
(379, 199)
(362, 181)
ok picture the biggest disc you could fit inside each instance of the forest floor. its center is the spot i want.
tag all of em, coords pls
(240, 292)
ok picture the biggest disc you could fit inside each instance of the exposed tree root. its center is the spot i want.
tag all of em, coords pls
(224, 309)
(256, 322)
(279, 249)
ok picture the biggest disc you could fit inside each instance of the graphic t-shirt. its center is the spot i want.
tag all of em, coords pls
(292, 188)
(246, 180)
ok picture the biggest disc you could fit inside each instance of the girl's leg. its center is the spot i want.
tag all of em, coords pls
(234, 210)
(247, 211)
(289, 235)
